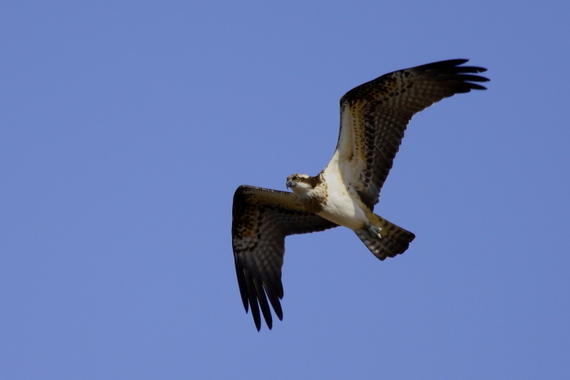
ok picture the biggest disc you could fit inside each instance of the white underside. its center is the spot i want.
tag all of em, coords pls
(342, 205)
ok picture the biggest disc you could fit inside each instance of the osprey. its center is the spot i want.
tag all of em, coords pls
(373, 118)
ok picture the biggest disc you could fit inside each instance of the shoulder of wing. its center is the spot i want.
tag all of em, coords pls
(266, 197)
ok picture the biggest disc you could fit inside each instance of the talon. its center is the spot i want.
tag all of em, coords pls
(375, 231)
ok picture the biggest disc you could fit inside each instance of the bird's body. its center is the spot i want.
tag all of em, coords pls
(342, 206)
(373, 120)
(332, 199)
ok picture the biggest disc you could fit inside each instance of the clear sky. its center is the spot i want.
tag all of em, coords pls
(125, 127)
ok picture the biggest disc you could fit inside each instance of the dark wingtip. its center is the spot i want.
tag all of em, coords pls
(443, 64)
(454, 62)
(242, 287)
(256, 295)
(263, 304)
(474, 86)
(453, 70)
(473, 78)
(453, 65)
(254, 306)
(256, 317)
(279, 312)
(276, 306)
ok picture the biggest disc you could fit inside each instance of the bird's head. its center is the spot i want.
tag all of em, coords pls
(301, 184)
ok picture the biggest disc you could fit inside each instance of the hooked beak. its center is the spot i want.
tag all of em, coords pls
(290, 184)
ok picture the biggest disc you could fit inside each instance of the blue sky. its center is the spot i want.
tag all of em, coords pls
(127, 125)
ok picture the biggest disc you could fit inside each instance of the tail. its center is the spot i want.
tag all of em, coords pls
(383, 238)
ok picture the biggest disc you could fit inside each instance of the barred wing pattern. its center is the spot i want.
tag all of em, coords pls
(375, 114)
(262, 218)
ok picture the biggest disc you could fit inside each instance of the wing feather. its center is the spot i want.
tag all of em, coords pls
(262, 218)
(375, 114)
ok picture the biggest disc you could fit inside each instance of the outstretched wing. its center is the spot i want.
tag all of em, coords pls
(261, 220)
(374, 116)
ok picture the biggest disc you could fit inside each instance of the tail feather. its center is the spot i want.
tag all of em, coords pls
(384, 238)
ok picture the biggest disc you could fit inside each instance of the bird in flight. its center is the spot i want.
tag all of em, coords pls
(373, 119)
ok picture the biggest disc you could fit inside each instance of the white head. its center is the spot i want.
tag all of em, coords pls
(301, 184)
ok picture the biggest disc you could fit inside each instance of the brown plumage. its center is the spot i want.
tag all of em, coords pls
(261, 220)
(389, 102)
(374, 117)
